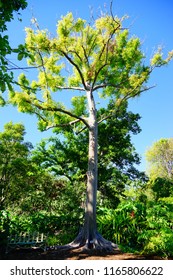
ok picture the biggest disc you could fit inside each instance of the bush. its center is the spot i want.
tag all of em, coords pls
(123, 224)
(135, 225)
(60, 228)
(4, 230)
(158, 243)
(62, 237)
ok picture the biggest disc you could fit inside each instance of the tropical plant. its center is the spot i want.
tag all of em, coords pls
(156, 237)
(123, 224)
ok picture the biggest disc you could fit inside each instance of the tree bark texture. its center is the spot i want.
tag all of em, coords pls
(90, 227)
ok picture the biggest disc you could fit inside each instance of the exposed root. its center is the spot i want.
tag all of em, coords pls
(98, 244)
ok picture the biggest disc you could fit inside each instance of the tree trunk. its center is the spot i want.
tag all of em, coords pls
(90, 227)
(88, 237)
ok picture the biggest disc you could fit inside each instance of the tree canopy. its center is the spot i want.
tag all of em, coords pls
(99, 56)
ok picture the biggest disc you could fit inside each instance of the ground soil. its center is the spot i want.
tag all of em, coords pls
(74, 254)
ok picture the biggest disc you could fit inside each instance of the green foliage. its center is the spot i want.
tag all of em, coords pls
(158, 243)
(79, 105)
(4, 230)
(14, 164)
(7, 9)
(117, 155)
(157, 237)
(157, 60)
(161, 187)
(60, 228)
(160, 168)
(146, 227)
(99, 56)
(133, 225)
(160, 159)
(123, 224)
(67, 158)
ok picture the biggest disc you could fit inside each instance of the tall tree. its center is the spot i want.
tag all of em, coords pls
(7, 9)
(86, 58)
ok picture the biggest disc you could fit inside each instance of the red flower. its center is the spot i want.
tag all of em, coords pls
(132, 214)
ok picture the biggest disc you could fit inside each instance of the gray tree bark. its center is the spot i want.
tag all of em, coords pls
(90, 226)
(89, 237)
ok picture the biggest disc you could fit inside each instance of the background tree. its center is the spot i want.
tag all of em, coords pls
(117, 155)
(7, 9)
(14, 163)
(160, 159)
(161, 187)
(160, 167)
(97, 57)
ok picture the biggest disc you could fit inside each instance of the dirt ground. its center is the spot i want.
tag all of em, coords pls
(74, 254)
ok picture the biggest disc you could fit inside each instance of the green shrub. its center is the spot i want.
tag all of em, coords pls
(139, 226)
(4, 229)
(62, 237)
(20, 223)
(158, 243)
(61, 229)
(133, 225)
(123, 224)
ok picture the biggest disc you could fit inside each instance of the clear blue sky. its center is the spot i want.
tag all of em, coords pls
(151, 21)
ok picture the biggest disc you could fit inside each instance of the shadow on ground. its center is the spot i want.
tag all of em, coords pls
(73, 254)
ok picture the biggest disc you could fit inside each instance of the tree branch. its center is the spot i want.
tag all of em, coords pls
(71, 88)
(76, 53)
(86, 57)
(58, 87)
(62, 125)
(125, 98)
(16, 67)
(107, 85)
(106, 46)
(96, 75)
(77, 68)
(82, 129)
(55, 109)
(24, 68)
